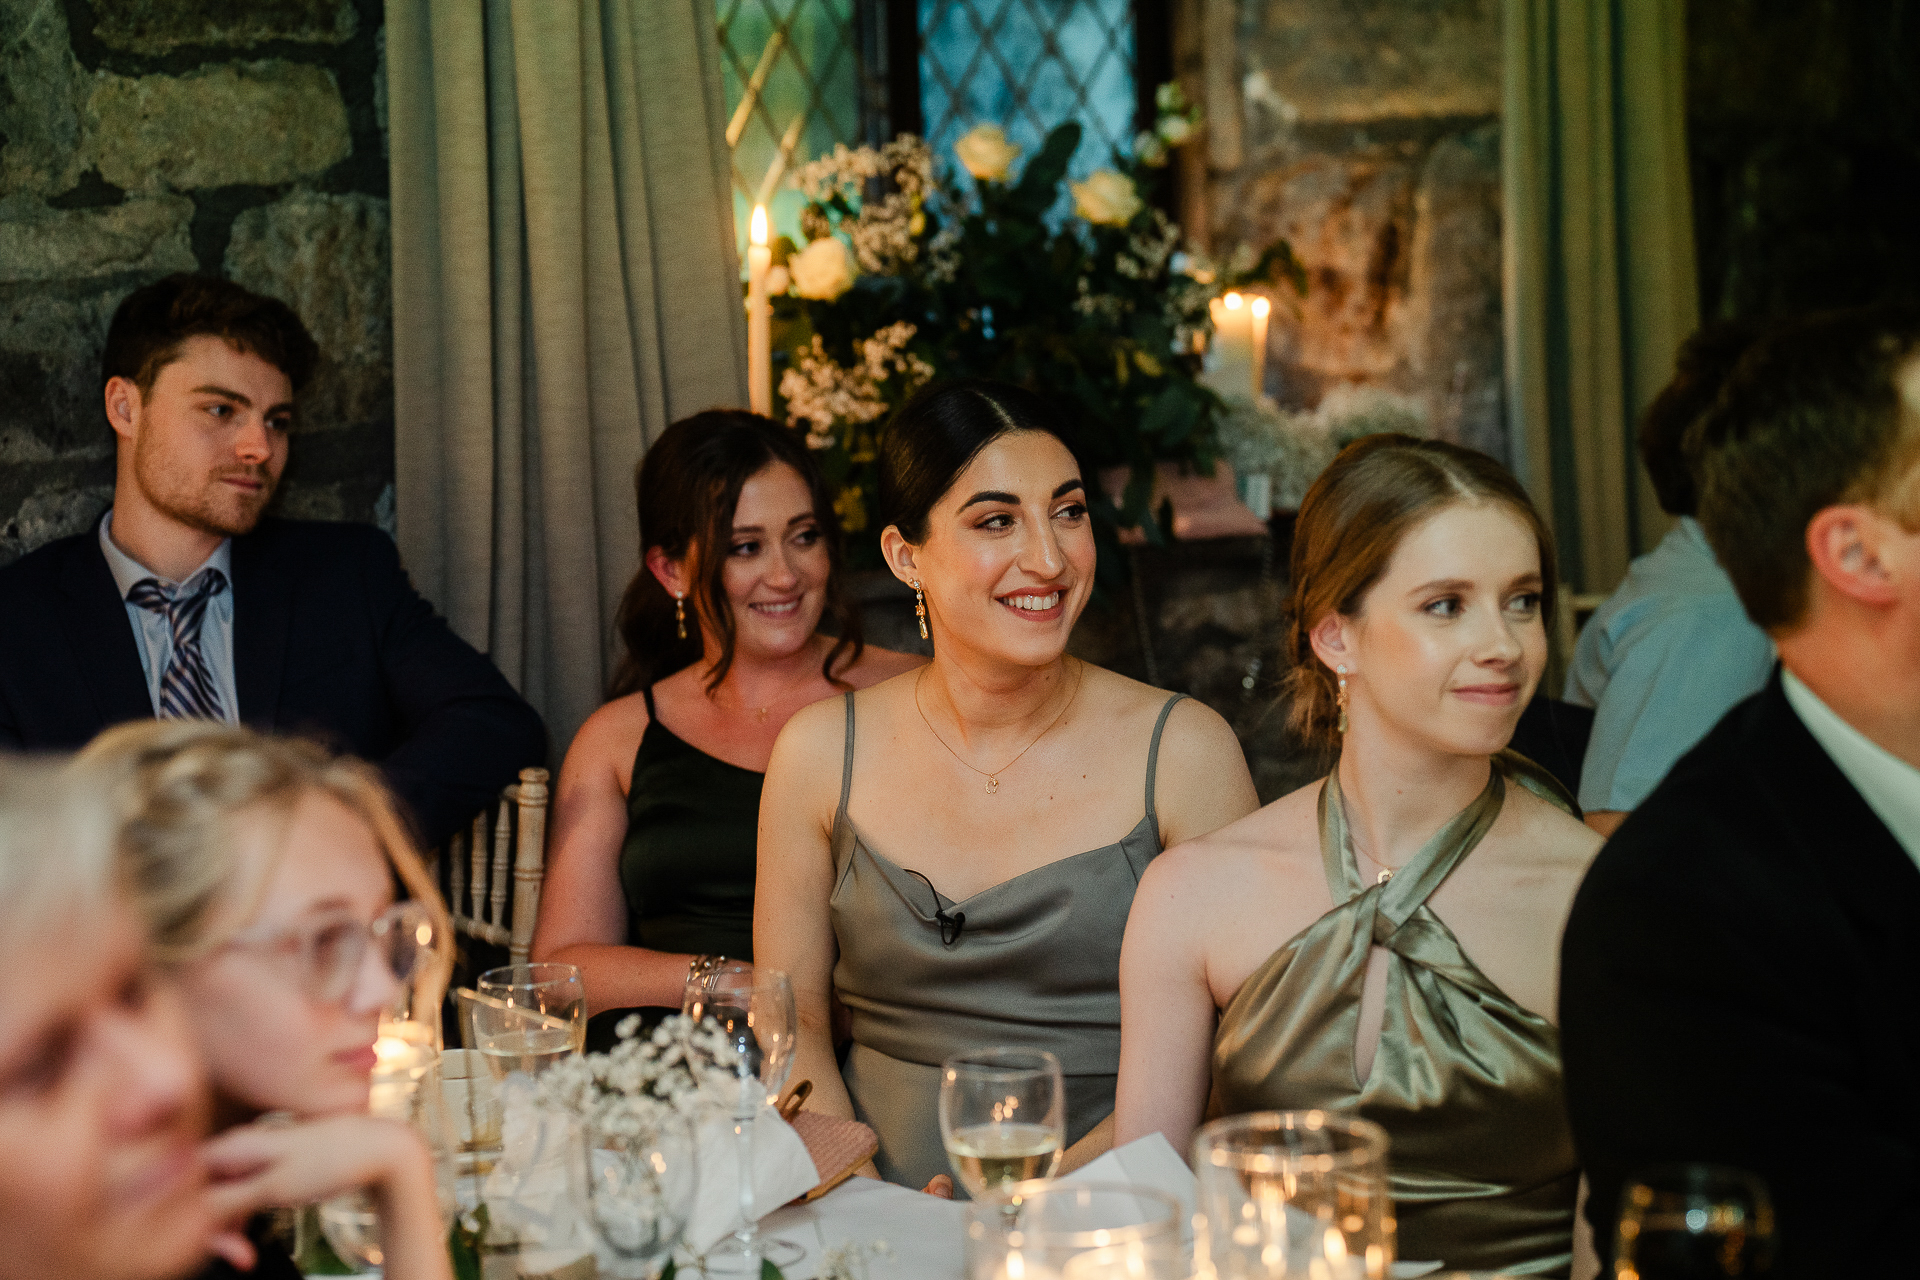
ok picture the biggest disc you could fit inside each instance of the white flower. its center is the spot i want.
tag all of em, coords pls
(823, 270)
(986, 153)
(1107, 198)
(1170, 98)
(1150, 151)
(1175, 130)
(778, 282)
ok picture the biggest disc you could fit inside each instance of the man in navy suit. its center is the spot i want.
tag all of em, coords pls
(1740, 976)
(184, 601)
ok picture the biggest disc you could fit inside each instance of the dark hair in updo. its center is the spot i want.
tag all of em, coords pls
(939, 431)
(688, 485)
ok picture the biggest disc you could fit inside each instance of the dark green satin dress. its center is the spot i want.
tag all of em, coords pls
(1465, 1082)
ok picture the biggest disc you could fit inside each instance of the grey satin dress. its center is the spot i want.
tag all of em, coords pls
(1037, 965)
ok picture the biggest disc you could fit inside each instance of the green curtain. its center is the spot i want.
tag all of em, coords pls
(565, 284)
(1599, 261)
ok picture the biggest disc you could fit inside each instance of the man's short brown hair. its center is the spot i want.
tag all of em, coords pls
(1811, 417)
(1700, 370)
(154, 321)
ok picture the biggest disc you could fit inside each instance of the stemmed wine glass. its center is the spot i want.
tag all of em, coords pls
(1003, 1116)
(753, 1009)
(1682, 1221)
(640, 1184)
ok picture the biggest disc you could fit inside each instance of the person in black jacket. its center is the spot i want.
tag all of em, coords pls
(1740, 976)
(185, 602)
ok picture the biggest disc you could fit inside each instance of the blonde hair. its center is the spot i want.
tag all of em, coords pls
(56, 846)
(1352, 521)
(177, 788)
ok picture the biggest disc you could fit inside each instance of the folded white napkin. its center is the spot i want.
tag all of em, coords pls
(782, 1169)
(1149, 1162)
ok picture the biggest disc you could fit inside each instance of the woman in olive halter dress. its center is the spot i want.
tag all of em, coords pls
(652, 860)
(1385, 942)
(953, 852)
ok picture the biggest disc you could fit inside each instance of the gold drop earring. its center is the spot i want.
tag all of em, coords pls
(1341, 700)
(680, 615)
(920, 608)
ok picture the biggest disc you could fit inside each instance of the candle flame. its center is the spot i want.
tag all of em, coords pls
(1260, 308)
(1233, 301)
(759, 232)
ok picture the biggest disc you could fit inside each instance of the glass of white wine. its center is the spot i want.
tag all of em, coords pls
(529, 1017)
(1003, 1116)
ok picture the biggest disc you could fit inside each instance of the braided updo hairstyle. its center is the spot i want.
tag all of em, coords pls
(1352, 520)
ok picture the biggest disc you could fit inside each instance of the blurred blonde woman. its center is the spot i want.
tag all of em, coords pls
(268, 871)
(102, 1103)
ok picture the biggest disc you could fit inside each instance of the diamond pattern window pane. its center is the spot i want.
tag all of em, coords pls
(815, 78)
(1028, 66)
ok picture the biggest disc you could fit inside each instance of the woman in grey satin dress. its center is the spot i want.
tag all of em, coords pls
(953, 852)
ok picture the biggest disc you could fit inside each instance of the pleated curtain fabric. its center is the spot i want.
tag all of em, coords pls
(565, 284)
(1599, 285)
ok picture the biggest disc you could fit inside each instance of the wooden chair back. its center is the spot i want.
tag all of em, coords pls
(508, 844)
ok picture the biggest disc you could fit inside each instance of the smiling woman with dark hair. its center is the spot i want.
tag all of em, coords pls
(953, 852)
(654, 825)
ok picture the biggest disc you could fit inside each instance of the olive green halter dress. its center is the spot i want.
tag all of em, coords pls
(1465, 1082)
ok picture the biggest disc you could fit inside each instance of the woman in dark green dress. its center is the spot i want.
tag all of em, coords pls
(651, 865)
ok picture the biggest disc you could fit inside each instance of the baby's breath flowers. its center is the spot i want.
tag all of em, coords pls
(631, 1087)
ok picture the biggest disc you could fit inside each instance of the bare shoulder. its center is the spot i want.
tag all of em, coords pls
(876, 665)
(1544, 832)
(1264, 843)
(610, 736)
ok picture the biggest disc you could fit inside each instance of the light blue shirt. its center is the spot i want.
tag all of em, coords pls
(154, 637)
(1669, 653)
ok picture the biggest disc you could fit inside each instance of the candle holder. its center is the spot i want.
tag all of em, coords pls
(1074, 1231)
(1292, 1193)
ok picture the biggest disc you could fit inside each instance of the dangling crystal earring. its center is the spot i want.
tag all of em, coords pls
(680, 616)
(920, 608)
(1341, 700)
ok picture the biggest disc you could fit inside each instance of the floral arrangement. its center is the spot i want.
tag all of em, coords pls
(627, 1089)
(905, 276)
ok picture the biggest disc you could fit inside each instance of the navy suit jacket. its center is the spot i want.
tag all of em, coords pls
(1740, 984)
(330, 641)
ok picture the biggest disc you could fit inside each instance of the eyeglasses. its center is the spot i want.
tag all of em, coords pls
(330, 951)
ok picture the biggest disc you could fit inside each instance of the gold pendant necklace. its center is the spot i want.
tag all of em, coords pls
(993, 778)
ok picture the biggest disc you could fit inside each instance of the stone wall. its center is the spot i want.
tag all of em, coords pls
(1367, 133)
(243, 138)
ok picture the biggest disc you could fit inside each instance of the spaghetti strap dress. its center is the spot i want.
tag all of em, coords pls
(687, 864)
(1465, 1081)
(1036, 964)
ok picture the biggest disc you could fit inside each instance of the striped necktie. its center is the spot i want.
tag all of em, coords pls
(187, 690)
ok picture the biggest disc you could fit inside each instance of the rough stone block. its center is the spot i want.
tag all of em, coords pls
(1456, 352)
(255, 122)
(40, 91)
(329, 258)
(53, 512)
(147, 235)
(50, 340)
(1355, 60)
(160, 26)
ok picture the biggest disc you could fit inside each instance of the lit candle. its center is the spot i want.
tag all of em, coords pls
(1230, 359)
(759, 317)
(1259, 310)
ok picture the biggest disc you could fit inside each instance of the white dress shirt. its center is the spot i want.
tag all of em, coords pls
(1889, 785)
(155, 638)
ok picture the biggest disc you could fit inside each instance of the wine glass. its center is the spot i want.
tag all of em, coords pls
(1693, 1220)
(1293, 1192)
(640, 1182)
(1074, 1231)
(528, 1016)
(1003, 1116)
(753, 1009)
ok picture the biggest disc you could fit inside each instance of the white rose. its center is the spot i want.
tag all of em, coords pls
(1175, 130)
(1106, 197)
(778, 282)
(823, 270)
(986, 153)
(1149, 150)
